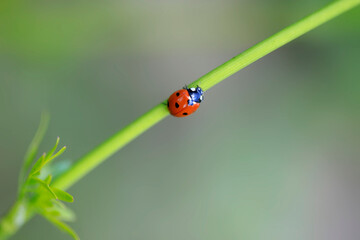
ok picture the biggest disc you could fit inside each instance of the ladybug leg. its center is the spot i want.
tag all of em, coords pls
(185, 87)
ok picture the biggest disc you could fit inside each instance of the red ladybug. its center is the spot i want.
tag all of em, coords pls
(185, 101)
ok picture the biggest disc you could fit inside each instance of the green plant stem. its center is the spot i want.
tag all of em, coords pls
(134, 129)
(110, 146)
(15, 218)
(274, 42)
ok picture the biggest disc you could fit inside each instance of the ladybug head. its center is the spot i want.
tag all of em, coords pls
(199, 90)
(200, 93)
(196, 94)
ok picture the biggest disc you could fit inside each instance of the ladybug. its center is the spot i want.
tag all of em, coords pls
(185, 101)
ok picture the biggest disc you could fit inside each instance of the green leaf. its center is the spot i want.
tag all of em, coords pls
(33, 147)
(62, 195)
(62, 226)
(44, 202)
(53, 213)
(48, 179)
(44, 159)
(56, 154)
(54, 148)
(46, 186)
(66, 214)
(55, 208)
(38, 165)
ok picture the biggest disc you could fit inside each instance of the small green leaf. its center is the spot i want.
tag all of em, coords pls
(66, 214)
(58, 204)
(33, 147)
(56, 154)
(62, 195)
(53, 213)
(54, 148)
(62, 226)
(38, 165)
(44, 202)
(46, 186)
(48, 179)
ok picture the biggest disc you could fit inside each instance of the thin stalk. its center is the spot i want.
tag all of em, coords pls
(134, 129)
(110, 146)
(10, 224)
(274, 42)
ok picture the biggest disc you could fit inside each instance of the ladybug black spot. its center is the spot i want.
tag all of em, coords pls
(185, 114)
(176, 105)
(177, 94)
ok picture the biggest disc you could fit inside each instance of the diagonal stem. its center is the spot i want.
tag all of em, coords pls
(10, 224)
(134, 129)
(274, 42)
(111, 146)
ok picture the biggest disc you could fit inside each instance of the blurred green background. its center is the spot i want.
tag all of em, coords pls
(273, 152)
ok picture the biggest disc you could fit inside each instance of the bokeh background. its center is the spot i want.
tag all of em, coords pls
(273, 152)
